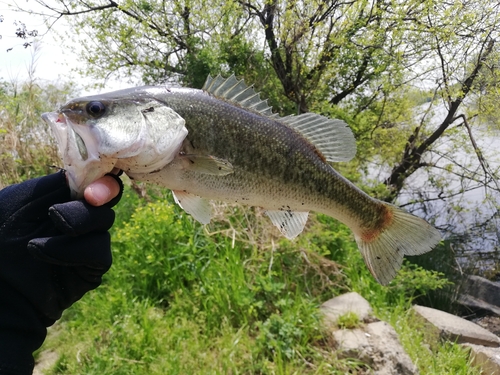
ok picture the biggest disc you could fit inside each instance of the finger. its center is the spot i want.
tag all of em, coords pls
(78, 217)
(91, 250)
(106, 190)
(117, 197)
(101, 191)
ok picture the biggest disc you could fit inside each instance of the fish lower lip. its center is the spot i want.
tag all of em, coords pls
(46, 116)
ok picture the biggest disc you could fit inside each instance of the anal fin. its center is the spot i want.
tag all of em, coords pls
(197, 207)
(290, 223)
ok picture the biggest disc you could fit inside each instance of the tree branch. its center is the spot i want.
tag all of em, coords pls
(411, 158)
(479, 154)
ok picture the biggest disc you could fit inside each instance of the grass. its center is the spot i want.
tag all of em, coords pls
(231, 298)
(349, 321)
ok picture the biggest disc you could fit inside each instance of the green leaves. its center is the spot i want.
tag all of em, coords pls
(183, 299)
(403, 74)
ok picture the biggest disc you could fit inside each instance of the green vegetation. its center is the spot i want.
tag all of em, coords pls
(27, 148)
(231, 298)
(349, 321)
(417, 81)
(411, 79)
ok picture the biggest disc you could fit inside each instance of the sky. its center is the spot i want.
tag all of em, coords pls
(53, 62)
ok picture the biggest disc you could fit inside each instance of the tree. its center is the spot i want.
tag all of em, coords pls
(22, 32)
(317, 50)
(407, 75)
(459, 49)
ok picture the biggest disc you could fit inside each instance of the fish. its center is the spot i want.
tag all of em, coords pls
(224, 143)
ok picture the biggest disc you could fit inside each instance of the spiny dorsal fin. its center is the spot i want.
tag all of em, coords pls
(333, 138)
(237, 91)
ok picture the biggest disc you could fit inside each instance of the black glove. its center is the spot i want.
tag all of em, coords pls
(52, 251)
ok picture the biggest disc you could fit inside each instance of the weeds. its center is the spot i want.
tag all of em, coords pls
(348, 321)
(229, 298)
(27, 148)
(183, 299)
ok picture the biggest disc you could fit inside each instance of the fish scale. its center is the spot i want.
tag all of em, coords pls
(224, 143)
(272, 142)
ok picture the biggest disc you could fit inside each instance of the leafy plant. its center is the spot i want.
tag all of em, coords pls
(27, 147)
(348, 321)
(181, 298)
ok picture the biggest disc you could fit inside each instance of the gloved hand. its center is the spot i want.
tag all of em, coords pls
(52, 251)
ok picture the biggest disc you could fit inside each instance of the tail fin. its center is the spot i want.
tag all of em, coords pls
(405, 235)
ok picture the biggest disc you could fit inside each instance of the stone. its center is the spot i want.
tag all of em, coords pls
(480, 294)
(456, 329)
(376, 345)
(487, 358)
(390, 356)
(341, 305)
(353, 343)
(475, 304)
(373, 343)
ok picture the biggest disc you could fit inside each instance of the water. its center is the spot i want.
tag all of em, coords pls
(456, 195)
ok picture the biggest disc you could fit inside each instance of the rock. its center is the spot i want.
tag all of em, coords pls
(474, 304)
(341, 305)
(373, 343)
(487, 358)
(454, 328)
(353, 343)
(45, 361)
(378, 346)
(390, 357)
(480, 293)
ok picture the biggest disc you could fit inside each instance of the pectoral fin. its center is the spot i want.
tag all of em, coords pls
(290, 223)
(206, 164)
(197, 207)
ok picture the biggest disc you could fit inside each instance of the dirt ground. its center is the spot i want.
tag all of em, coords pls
(491, 323)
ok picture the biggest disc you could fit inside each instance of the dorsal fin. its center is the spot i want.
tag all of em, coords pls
(333, 138)
(237, 91)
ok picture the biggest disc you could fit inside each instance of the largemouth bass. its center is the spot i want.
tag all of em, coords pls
(224, 143)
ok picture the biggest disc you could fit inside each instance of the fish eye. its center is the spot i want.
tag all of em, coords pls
(95, 109)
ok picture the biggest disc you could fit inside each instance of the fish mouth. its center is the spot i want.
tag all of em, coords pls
(54, 119)
(59, 127)
(63, 132)
(82, 165)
